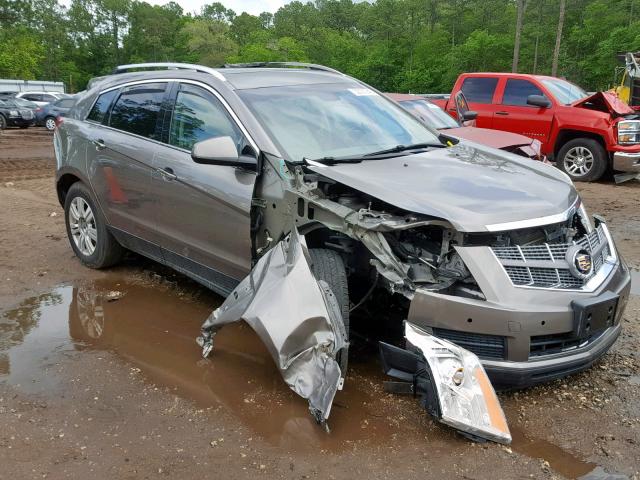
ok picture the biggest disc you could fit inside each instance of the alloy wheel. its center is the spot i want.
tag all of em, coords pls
(578, 161)
(82, 224)
(50, 124)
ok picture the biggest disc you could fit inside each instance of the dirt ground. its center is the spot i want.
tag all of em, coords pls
(100, 376)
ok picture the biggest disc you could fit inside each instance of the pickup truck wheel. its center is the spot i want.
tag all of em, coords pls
(327, 265)
(583, 159)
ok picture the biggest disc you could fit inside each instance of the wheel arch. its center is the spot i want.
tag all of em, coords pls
(64, 184)
(567, 135)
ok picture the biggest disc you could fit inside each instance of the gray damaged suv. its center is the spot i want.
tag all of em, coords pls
(301, 193)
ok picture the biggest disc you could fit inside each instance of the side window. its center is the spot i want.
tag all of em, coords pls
(199, 115)
(516, 92)
(479, 89)
(48, 98)
(100, 108)
(33, 97)
(137, 110)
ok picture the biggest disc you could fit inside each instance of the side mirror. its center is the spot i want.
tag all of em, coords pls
(539, 101)
(221, 151)
(469, 115)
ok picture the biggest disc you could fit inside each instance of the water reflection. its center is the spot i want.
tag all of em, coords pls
(154, 329)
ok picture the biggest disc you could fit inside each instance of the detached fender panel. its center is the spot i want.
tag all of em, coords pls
(297, 317)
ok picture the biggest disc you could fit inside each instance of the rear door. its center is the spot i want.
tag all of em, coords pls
(203, 211)
(123, 139)
(514, 115)
(480, 93)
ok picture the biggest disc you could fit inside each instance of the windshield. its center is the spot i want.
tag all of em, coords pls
(565, 92)
(333, 120)
(430, 113)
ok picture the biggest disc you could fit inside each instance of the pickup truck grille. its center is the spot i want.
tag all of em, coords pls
(546, 266)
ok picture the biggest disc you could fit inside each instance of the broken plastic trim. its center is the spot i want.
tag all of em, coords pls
(452, 382)
(296, 316)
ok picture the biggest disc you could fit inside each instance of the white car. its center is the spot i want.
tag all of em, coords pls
(41, 98)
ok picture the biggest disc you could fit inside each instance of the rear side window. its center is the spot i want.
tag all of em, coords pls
(48, 98)
(34, 97)
(137, 110)
(479, 89)
(101, 107)
(199, 115)
(516, 92)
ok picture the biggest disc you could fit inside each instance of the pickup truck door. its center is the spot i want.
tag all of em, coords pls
(514, 115)
(480, 93)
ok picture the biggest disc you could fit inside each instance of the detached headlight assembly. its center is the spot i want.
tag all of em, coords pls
(466, 398)
(629, 132)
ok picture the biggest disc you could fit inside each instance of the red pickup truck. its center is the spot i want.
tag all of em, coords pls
(585, 134)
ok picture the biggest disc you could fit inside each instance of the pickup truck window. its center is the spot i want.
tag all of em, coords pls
(565, 92)
(516, 92)
(479, 89)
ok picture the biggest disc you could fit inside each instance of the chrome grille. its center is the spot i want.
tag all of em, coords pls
(545, 266)
(26, 114)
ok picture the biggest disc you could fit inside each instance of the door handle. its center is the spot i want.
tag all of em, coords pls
(502, 113)
(99, 143)
(167, 173)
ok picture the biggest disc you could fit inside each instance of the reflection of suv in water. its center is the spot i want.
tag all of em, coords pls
(208, 170)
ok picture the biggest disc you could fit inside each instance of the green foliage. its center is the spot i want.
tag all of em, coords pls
(395, 45)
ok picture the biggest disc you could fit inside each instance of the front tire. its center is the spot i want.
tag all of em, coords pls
(88, 235)
(3, 122)
(583, 159)
(328, 265)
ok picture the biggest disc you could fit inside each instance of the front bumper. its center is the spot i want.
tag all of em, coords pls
(626, 162)
(523, 336)
(20, 122)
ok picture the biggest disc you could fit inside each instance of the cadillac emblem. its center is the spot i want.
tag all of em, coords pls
(580, 262)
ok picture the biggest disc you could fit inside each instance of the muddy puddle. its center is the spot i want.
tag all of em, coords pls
(154, 329)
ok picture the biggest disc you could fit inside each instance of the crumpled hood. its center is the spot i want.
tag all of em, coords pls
(491, 138)
(469, 186)
(608, 100)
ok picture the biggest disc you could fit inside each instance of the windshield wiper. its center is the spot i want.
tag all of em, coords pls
(404, 148)
(334, 160)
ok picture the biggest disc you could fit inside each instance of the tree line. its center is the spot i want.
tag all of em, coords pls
(395, 45)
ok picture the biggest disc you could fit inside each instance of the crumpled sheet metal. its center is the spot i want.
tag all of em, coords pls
(297, 317)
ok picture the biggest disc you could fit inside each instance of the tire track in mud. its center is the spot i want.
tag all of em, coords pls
(26, 155)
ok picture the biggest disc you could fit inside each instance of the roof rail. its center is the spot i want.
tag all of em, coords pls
(169, 65)
(310, 66)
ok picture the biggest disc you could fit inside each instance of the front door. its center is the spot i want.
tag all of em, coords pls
(203, 211)
(515, 115)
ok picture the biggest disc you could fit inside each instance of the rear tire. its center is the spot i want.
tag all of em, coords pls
(583, 159)
(87, 230)
(50, 123)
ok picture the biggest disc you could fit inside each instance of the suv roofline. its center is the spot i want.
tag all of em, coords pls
(216, 72)
(169, 65)
(310, 66)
